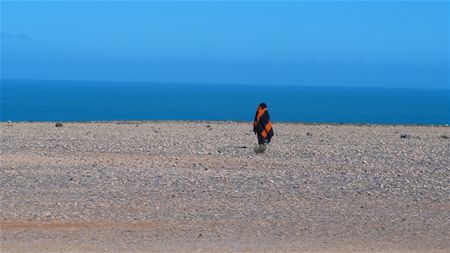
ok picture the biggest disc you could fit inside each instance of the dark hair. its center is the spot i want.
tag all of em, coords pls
(263, 105)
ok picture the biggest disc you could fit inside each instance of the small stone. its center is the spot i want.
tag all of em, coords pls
(59, 124)
(405, 136)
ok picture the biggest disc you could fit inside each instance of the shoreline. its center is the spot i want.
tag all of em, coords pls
(222, 122)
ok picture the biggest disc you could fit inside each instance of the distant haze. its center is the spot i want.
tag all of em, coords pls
(323, 43)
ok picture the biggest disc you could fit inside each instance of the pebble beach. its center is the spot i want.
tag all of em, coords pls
(175, 186)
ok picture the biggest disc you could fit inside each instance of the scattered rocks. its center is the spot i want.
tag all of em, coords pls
(208, 187)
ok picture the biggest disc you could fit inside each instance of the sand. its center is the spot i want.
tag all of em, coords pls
(199, 187)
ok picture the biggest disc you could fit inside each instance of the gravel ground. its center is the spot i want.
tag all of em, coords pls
(198, 186)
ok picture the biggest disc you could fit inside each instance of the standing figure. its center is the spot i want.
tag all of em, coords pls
(262, 128)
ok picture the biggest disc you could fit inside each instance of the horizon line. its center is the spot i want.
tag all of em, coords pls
(224, 84)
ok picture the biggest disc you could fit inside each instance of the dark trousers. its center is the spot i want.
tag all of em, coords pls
(261, 139)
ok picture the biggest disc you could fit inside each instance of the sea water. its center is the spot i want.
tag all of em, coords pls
(40, 100)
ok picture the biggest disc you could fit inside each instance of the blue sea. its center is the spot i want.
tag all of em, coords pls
(38, 100)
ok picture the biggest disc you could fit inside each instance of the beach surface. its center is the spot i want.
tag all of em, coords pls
(199, 187)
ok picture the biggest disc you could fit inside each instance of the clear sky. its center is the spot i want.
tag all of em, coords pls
(313, 43)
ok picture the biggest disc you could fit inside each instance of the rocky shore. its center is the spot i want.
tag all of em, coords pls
(198, 186)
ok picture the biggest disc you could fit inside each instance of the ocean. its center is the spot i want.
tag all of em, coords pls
(39, 100)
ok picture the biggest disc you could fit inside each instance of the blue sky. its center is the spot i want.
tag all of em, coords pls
(313, 43)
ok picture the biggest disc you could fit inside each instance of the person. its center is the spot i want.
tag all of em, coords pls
(262, 128)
